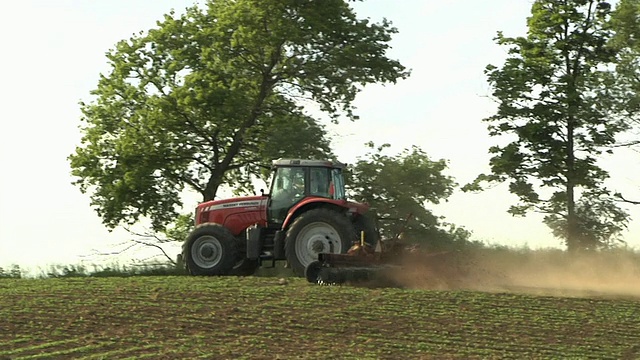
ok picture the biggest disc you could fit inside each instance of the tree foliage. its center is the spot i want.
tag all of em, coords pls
(400, 188)
(626, 41)
(208, 97)
(561, 104)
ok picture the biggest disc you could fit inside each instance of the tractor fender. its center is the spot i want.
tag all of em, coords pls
(316, 202)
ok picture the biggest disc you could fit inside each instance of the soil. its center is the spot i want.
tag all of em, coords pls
(190, 317)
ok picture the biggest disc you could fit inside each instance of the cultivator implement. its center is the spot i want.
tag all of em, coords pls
(361, 264)
(327, 272)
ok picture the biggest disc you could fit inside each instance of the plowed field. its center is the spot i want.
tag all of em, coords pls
(257, 318)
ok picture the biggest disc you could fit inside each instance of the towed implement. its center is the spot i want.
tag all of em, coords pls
(362, 263)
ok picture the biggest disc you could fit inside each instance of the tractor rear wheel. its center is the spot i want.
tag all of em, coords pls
(210, 249)
(317, 231)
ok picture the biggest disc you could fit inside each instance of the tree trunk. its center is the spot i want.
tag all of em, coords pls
(573, 99)
(572, 234)
(212, 187)
(223, 166)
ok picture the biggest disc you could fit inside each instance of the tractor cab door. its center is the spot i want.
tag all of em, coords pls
(288, 187)
(336, 185)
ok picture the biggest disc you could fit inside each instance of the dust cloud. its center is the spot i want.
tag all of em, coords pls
(544, 272)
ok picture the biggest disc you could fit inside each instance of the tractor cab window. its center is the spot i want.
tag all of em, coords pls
(289, 182)
(319, 182)
(336, 187)
(288, 188)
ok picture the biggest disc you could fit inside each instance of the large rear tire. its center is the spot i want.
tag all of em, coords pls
(317, 231)
(210, 249)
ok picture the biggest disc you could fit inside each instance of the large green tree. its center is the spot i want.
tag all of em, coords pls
(400, 188)
(560, 105)
(208, 97)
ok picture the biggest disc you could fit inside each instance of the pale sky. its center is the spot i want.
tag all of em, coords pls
(53, 53)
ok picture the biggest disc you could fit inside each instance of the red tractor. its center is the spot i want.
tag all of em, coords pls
(305, 213)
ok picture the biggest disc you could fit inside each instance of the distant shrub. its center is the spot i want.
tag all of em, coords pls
(114, 270)
(158, 270)
(66, 271)
(14, 273)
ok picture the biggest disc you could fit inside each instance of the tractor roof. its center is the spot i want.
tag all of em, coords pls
(308, 162)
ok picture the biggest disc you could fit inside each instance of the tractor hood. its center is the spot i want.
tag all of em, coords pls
(237, 202)
(220, 211)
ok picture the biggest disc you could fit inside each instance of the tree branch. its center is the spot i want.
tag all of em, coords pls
(136, 242)
(157, 247)
(618, 195)
(197, 187)
(148, 235)
(626, 144)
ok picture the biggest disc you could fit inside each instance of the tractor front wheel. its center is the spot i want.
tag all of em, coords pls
(314, 232)
(210, 249)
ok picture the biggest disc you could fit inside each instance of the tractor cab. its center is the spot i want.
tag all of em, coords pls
(296, 180)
